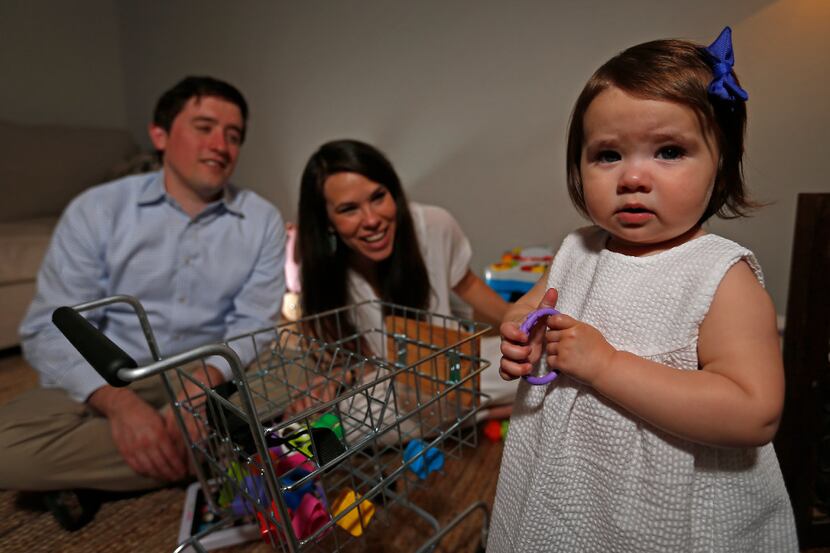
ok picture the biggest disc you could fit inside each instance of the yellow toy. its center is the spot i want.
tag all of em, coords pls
(356, 519)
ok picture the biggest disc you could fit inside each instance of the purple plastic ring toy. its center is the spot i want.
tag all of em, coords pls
(532, 318)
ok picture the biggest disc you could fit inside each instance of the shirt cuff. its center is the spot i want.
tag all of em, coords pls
(221, 365)
(84, 380)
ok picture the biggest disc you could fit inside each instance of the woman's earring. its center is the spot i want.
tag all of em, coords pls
(332, 241)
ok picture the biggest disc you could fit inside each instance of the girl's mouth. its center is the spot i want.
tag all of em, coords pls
(634, 215)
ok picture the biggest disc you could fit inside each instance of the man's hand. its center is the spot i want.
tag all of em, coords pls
(140, 434)
(577, 349)
(520, 352)
(194, 397)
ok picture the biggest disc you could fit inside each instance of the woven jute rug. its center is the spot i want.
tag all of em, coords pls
(146, 523)
(150, 523)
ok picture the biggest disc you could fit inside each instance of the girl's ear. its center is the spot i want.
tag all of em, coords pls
(158, 136)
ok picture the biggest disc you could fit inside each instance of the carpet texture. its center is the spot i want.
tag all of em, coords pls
(150, 523)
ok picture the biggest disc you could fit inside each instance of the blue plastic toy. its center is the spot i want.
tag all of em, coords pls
(431, 460)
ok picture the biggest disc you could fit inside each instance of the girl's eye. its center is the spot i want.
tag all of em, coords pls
(608, 156)
(670, 152)
(378, 195)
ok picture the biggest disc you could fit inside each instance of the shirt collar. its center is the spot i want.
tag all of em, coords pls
(153, 192)
(232, 200)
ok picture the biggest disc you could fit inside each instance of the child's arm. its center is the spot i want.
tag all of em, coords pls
(735, 400)
(521, 352)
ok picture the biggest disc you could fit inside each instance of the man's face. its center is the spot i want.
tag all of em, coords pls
(200, 149)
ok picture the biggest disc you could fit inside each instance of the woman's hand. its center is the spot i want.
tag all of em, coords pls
(520, 351)
(577, 349)
(320, 389)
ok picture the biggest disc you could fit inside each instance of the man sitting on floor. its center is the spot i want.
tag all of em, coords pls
(207, 262)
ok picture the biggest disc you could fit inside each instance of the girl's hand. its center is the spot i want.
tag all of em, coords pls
(577, 349)
(521, 352)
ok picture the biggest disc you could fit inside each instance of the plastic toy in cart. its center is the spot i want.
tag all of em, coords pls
(197, 518)
(518, 271)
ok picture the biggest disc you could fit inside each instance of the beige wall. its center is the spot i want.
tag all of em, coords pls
(470, 99)
(785, 63)
(60, 62)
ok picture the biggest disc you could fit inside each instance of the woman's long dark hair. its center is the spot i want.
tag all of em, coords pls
(402, 277)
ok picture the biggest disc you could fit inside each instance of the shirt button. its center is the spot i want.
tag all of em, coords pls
(181, 300)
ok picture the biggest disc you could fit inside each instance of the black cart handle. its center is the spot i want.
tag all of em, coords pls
(99, 351)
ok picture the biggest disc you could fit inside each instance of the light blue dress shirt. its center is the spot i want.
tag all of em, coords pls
(201, 280)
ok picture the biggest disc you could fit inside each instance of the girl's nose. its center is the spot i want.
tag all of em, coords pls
(634, 178)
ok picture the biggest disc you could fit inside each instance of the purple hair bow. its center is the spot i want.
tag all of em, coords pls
(722, 58)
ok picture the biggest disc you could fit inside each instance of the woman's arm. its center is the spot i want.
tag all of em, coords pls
(735, 400)
(482, 298)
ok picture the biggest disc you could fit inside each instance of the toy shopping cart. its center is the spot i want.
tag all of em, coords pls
(317, 443)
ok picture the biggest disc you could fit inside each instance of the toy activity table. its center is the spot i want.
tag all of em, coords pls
(518, 271)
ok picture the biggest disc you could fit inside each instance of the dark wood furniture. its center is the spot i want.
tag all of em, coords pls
(806, 364)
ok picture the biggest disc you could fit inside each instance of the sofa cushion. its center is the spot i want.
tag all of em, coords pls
(15, 299)
(22, 247)
(44, 167)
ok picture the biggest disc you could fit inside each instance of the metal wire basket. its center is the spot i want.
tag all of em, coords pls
(318, 441)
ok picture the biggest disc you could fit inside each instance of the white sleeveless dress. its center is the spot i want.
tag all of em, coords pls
(579, 474)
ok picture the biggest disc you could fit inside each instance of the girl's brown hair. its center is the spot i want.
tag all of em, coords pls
(675, 71)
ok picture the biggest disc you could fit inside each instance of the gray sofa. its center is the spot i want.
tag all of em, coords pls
(41, 169)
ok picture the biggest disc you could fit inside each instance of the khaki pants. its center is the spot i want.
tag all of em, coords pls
(51, 442)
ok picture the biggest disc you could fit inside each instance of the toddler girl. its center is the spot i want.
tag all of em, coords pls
(655, 435)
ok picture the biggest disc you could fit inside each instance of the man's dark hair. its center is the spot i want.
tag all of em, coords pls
(172, 102)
